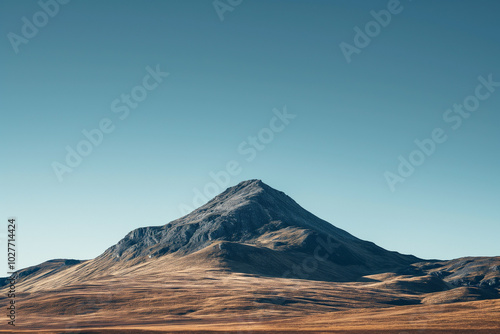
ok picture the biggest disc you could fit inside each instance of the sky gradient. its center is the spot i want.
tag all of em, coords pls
(228, 81)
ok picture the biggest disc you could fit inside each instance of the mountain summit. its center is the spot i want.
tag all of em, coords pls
(254, 228)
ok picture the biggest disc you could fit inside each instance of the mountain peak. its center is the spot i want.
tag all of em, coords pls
(250, 183)
(249, 186)
(242, 191)
(255, 198)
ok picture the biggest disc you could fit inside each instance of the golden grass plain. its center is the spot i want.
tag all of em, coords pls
(170, 297)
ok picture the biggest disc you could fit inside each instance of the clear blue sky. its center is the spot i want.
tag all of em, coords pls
(353, 120)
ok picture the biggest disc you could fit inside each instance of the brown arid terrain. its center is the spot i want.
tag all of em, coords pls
(201, 299)
(252, 260)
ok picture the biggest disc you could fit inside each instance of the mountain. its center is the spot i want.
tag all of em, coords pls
(251, 255)
(256, 229)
